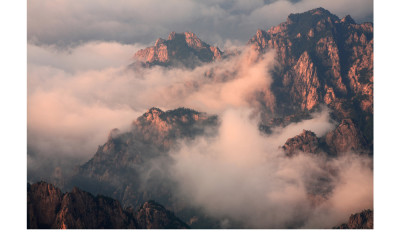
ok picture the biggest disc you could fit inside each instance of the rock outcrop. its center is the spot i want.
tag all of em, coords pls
(48, 208)
(306, 142)
(152, 215)
(363, 220)
(345, 138)
(43, 204)
(179, 50)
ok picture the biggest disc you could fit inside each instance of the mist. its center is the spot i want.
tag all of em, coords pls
(243, 176)
(73, 104)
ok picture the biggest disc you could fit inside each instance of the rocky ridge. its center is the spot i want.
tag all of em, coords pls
(49, 208)
(179, 50)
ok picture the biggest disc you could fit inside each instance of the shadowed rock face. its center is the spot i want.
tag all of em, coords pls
(43, 204)
(306, 142)
(363, 220)
(154, 216)
(346, 137)
(180, 49)
(81, 210)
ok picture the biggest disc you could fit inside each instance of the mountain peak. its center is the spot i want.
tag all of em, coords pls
(311, 17)
(320, 11)
(180, 49)
(348, 19)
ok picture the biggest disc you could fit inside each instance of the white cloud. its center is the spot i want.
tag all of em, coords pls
(243, 176)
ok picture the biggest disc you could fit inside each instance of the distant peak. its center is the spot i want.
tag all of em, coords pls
(348, 19)
(180, 49)
(314, 14)
(190, 34)
(174, 36)
(320, 11)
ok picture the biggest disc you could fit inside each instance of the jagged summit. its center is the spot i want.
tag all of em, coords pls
(348, 19)
(180, 49)
(312, 15)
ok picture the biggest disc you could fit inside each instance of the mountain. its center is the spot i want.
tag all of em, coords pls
(48, 208)
(179, 50)
(134, 166)
(322, 60)
(362, 220)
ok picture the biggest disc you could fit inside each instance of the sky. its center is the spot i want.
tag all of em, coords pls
(66, 23)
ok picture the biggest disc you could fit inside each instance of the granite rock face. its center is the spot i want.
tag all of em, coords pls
(179, 50)
(43, 204)
(81, 210)
(306, 142)
(322, 60)
(345, 138)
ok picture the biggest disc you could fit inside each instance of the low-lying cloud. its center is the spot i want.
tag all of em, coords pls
(243, 176)
(73, 102)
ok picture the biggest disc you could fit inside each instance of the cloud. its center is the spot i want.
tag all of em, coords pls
(242, 176)
(93, 55)
(71, 104)
(68, 23)
(75, 97)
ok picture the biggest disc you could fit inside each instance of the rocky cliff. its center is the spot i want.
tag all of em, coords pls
(346, 137)
(48, 207)
(179, 50)
(322, 60)
(306, 142)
